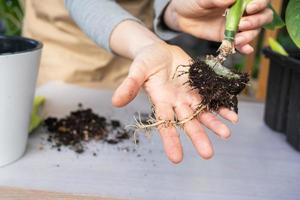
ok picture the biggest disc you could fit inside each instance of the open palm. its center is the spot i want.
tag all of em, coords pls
(153, 69)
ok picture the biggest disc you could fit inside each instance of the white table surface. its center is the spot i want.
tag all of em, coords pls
(255, 163)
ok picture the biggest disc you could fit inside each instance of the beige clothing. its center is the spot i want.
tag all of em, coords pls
(68, 54)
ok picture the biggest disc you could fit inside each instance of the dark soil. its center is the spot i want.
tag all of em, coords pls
(82, 126)
(217, 91)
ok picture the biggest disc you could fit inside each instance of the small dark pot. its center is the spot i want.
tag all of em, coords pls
(282, 110)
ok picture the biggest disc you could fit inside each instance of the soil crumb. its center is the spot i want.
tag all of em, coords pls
(82, 126)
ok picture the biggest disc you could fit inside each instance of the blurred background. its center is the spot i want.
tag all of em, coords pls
(11, 15)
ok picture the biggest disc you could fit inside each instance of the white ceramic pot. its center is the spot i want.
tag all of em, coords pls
(19, 63)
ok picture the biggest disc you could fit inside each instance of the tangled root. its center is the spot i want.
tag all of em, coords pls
(158, 123)
(217, 85)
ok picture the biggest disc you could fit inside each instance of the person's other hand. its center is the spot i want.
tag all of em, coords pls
(153, 68)
(205, 19)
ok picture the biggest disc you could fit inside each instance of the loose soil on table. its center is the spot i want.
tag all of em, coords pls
(82, 126)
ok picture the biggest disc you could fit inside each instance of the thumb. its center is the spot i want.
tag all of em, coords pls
(130, 87)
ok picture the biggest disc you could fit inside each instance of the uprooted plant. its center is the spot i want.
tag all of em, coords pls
(217, 85)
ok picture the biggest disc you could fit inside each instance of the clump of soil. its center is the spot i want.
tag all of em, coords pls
(218, 86)
(82, 126)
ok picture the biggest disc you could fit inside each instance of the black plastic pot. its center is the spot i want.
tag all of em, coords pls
(282, 110)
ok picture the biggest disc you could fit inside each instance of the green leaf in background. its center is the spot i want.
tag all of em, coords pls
(292, 18)
(277, 21)
(11, 14)
(36, 119)
(275, 46)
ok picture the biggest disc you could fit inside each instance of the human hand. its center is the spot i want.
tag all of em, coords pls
(205, 19)
(153, 68)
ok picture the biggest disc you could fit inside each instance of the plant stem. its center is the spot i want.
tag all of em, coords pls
(233, 18)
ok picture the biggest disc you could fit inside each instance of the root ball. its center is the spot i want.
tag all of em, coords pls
(217, 89)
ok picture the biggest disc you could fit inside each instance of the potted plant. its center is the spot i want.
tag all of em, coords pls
(282, 110)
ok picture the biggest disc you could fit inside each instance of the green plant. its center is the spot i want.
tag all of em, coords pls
(233, 17)
(292, 23)
(36, 119)
(276, 46)
(11, 15)
(289, 37)
(292, 19)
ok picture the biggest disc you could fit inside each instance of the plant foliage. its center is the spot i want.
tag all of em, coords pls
(277, 21)
(292, 19)
(11, 15)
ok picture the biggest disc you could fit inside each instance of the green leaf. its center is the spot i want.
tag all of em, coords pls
(275, 46)
(292, 18)
(277, 21)
(36, 119)
(11, 15)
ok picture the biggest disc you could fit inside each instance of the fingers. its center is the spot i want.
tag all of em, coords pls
(250, 25)
(130, 87)
(213, 123)
(209, 120)
(245, 49)
(256, 6)
(245, 37)
(256, 21)
(195, 131)
(169, 136)
(228, 115)
(126, 92)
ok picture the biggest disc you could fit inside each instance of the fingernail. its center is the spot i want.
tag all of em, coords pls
(244, 24)
(253, 7)
(251, 50)
(235, 121)
(238, 40)
(223, 138)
